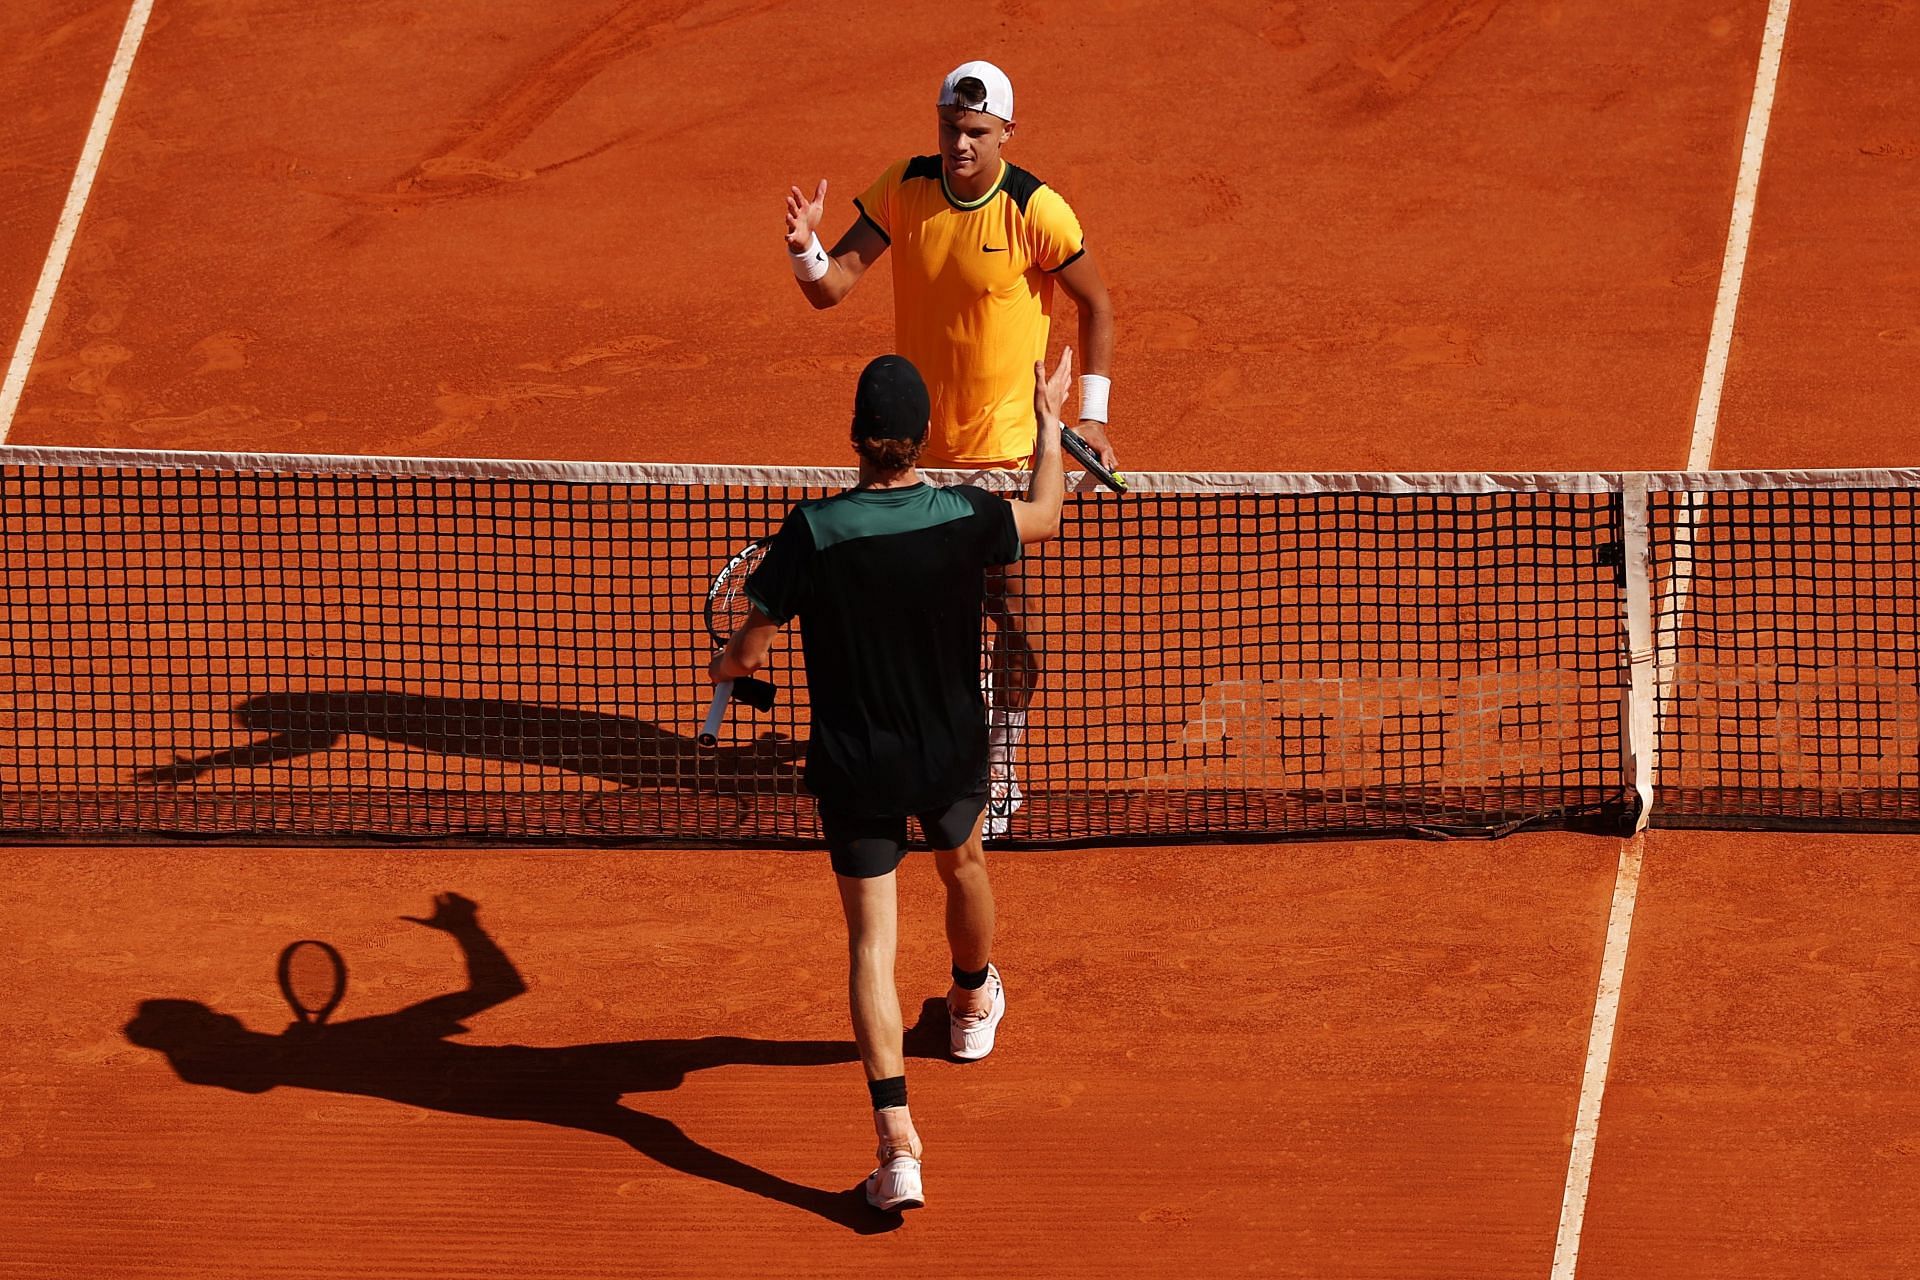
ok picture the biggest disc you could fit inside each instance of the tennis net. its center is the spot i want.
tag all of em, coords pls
(306, 649)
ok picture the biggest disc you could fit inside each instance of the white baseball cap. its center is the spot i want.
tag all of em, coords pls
(999, 89)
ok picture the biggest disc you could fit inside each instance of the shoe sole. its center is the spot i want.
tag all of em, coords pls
(898, 1206)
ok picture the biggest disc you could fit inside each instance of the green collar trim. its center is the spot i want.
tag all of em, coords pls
(992, 191)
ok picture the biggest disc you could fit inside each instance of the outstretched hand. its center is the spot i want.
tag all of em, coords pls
(450, 911)
(803, 216)
(1050, 390)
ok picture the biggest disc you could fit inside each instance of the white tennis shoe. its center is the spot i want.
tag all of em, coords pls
(1003, 801)
(971, 1039)
(1004, 731)
(895, 1185)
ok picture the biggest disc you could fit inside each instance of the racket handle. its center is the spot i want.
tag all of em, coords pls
(1090, 461)
(710, 731)
(757, 694)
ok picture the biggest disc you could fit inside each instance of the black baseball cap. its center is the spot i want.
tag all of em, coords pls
(891, 401)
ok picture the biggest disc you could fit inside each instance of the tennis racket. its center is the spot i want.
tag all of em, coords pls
(313, 977)
(727, 609)
(1090, 461)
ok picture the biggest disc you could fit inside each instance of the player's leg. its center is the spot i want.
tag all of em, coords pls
(1015, 667)
(976, 1002)
(865, 853)
(872, 937)
(961, 857)
(1019, 636)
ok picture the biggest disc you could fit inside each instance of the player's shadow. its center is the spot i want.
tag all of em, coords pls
(406, 1056)
(618, 749)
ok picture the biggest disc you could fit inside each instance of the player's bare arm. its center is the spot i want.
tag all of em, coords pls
(1037, 517)
(1082, 281)
(491, 976)
(857, 250)
(747, 652)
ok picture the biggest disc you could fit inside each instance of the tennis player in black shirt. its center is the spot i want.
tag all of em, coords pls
(888, 581)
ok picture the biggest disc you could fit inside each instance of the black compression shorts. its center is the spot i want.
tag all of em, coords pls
(865, 847)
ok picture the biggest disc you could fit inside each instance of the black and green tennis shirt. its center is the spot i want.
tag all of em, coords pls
(888, 585)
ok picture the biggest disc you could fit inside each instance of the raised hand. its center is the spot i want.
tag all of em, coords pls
(1050, 389)
(803, 216)
(450, 911)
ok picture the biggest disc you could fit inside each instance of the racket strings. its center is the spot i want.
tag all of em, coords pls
(313, 978)
(727, 603)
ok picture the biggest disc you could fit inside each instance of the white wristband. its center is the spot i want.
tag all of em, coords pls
(1093, 396)
(811, 265)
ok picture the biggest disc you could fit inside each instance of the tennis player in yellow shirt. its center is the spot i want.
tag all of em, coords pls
(979, 244)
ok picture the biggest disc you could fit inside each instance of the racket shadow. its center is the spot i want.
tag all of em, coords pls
(406, 1056)
(620, 749)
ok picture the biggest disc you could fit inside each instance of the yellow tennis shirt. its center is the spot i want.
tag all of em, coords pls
(973, 300)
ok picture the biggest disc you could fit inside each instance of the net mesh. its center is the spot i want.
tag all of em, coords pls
(342, 649)
(1787, 655)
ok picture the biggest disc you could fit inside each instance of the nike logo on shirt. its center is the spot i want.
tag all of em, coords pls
(991, 249)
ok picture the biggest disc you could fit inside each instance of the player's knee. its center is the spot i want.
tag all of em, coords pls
(963, 866)
(869, 938)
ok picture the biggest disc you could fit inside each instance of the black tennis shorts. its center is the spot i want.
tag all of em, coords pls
(865, 847)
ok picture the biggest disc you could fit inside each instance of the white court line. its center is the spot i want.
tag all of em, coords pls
(1593, 1083)
(69, 224)
(1706, 412)
(1674, 601)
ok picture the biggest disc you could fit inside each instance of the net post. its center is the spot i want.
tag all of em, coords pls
(1642, 737)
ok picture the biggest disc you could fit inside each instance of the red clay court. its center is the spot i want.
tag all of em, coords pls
(1499, 237)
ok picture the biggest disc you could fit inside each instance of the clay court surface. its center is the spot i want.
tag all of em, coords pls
(1453, 235)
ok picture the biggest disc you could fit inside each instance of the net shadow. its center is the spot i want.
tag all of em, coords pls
(623, 750)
